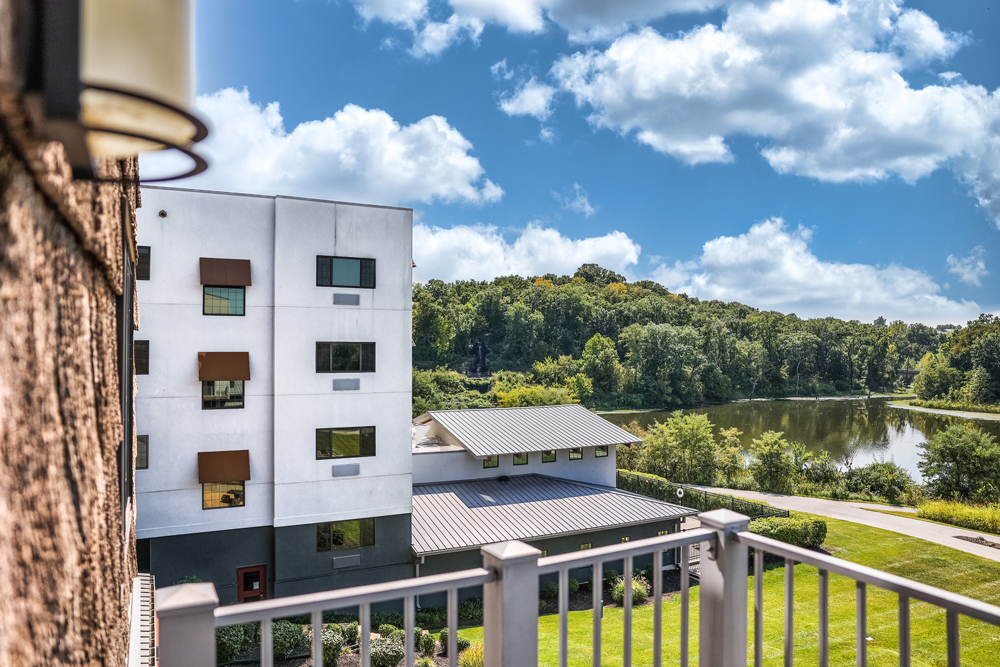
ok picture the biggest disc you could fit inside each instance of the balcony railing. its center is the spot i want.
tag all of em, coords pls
(189, 613)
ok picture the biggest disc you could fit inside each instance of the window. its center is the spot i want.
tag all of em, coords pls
(576, 454)
(491, 462)
(142, 452)
(142, 266)
(223, 300)
(549, 456)
(521, 459)
(338, 443)
(626, 539)
(345, 272)
(545, 552)
(345, 357)
(586, 545)
(337, 535)
(601, 451)
(221, 494)
(140, 356)
(221, 394)
(662, 533)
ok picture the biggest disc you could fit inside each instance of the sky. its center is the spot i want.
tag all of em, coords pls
(822, 158)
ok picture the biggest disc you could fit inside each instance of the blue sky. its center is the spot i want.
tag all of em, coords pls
(810, 157)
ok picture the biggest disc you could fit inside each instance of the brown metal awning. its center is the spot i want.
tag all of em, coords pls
(231, 466)
(225, 272)
(223, 366)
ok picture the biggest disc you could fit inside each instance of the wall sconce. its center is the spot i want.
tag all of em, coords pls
(112, 78)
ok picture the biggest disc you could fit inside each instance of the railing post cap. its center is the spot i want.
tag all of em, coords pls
(186, 598)
(514, 550)
(724, 519)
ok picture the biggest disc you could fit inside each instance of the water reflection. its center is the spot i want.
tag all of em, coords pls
(862, 430)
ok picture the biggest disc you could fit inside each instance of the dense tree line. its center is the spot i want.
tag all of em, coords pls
(605, 341)
(965, 370)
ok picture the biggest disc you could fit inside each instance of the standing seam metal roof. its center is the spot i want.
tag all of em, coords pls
(455, 516)
(491, 431)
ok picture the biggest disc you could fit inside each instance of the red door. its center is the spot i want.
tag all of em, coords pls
(251, 583)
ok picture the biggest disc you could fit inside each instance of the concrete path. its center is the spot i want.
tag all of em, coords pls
(987, 416)
(856, 512)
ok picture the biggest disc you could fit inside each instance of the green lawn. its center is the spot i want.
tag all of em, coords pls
(908, 557)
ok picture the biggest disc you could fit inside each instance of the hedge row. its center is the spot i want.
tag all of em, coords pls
(985, 518)
(808, 533)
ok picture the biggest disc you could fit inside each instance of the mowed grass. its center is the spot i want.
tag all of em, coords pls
(915, 559)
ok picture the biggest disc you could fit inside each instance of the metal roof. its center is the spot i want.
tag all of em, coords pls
(456, 516)
(489, 431)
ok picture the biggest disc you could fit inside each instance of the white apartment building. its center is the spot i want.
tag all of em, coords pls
(273, 406)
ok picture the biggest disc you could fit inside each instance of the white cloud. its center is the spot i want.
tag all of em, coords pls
(971, 269)
(547, 135)
(434, 37)
(499, 70)
(357, 154)
(820, 84)
(480, 252)
(530, 99)
(579, 202)
(772, 268)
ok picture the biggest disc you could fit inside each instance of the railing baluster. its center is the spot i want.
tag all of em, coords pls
(365, 611)
(657, 608)
(904, 631)
(758, 607)
(563, 616)
(789, 612)
(862, 614)
(824, 618)
(685, 603)
(598, 593)
(954, 657)
(266, 644)
(627, 592)
(452, 647)
(317, 647)
(409, 611)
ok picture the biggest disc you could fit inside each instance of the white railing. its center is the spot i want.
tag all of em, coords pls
(189, 613)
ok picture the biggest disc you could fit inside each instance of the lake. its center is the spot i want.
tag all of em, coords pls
(866, 430)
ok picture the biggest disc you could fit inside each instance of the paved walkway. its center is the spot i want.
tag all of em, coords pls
(988, 416)
(856, 512)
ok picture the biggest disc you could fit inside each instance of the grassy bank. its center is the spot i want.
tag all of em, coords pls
(984, 518)
(908, 557)
(957, 406)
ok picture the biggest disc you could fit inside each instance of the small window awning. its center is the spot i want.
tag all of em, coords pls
(231, 466)
(223, 366)
(225, 272)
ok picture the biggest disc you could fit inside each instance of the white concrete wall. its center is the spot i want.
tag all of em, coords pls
(168, 404)
(456, 466)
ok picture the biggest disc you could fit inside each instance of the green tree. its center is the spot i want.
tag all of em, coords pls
(799, 348)
(936, 377)
(730, 461)
(771, 465)
(535, 395)
(601, 364)
(522, 329)
(681, 450)
(986, 355)
(961, 463)
(580, 387)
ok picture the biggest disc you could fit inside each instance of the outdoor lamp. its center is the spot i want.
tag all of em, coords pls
(116, 79)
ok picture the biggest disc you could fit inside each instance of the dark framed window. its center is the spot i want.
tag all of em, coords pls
(549, 456)
(491, 461)
(576, 454)
(142, 266)
(345, 357)
(338, 535)
(223, 300)
(521, 459)
(586, 545)
(221, 394)
(661, 533)
(345, 272)
(142, 452)
(140, 355)
(601, 451)
(626, 539)
(338, 443)
(217, 495)
(545, 552)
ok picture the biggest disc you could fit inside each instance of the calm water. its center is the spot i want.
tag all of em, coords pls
(866, 429)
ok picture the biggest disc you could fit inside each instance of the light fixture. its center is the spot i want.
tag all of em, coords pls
(115, 79)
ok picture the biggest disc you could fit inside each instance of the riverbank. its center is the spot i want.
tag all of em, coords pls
(985, 416)
(810, 399)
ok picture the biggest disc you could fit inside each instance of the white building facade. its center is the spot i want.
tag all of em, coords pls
(275, 333)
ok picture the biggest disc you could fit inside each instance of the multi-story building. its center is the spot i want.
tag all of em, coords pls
(274, 392)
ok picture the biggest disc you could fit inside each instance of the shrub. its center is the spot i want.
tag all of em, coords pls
(231, 640)
(285, 637)
(962, 463)
(386, 629)
(462, 642)
(610, 577)
(884, 479)
(574, 586)
(822, 470)
(682, 450)
(809, 533)
(352, 633)
(470, 612)
(427, 644)
(772, 467)
(550, 591)
(982, 518)
(385, 652)
(333, 643)
(432, 617)
(473, 657)
(399, 636)
(639, 591)
(424, 662)
(417, 634)
(385, 618)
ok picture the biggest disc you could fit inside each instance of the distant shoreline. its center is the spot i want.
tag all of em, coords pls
(854, 397)
(987, 416)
